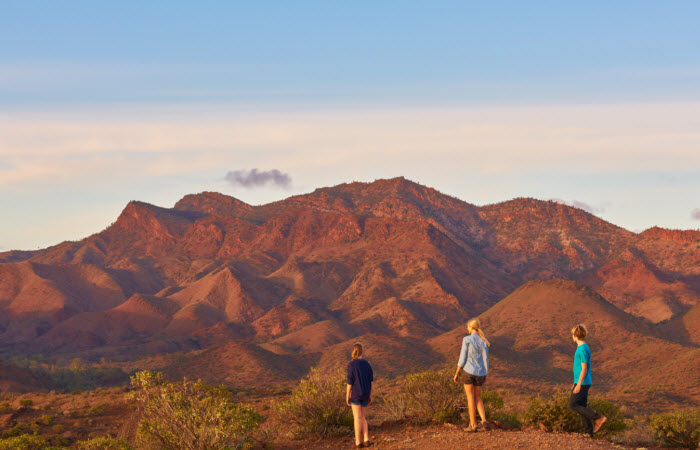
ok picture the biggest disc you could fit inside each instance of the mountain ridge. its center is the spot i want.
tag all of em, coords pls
(391, 259)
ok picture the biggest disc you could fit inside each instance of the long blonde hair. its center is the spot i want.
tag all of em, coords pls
(356, 350)
(475, 325)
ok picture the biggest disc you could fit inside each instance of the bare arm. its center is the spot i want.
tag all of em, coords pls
(347, 394)
(584, 371)
(456, 378)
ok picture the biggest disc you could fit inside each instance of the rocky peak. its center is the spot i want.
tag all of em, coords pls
(680, 236)
(212, 203)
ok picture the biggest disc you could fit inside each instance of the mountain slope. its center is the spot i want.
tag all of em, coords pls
(391, 261)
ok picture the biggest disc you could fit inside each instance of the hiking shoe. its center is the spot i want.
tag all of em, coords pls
(470, 429)
(599, 423)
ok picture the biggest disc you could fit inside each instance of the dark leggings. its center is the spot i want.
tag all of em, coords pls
(579, 404)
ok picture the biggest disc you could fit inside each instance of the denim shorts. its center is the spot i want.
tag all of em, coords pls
(468, 378)
(354, 401)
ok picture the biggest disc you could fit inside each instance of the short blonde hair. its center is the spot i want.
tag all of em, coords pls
(356, 350)
(579, 332)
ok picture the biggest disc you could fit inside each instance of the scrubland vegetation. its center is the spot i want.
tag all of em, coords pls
(155, 413)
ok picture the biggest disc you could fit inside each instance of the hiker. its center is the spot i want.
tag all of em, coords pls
(473, 366)
(578, 402)
(359, 393)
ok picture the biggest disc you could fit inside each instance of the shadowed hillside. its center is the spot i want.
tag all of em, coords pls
(392, 261)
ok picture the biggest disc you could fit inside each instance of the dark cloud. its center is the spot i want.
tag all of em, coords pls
(255, 178)
(695, 214)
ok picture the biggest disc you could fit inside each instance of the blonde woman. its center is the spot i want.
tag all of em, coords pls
(473, 366)
(359, 393)
(578, 402)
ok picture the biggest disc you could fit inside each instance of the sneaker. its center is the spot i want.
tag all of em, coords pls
(599, 423)
(487, 426)
(470, 429)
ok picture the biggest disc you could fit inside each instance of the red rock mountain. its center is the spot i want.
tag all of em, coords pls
(295, 282)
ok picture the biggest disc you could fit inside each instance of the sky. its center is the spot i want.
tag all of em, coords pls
(593, 104)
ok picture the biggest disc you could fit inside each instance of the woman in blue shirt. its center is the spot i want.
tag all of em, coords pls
(473, 366)
(578, 402)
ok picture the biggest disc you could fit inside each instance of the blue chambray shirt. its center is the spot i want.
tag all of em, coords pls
(474, 357)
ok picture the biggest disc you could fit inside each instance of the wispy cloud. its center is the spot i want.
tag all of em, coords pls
(255, 178)
(580, 205)
(695, 214)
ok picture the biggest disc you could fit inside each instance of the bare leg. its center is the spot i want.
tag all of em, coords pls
(358, 416)
(365, 425)
(480, 403)
(469, 389)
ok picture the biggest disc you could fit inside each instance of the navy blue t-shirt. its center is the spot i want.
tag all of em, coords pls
(360, 377)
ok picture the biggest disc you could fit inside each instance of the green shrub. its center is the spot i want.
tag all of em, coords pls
(19, 429)
(93, 411)
(615, 423)
(433, 396)
(554, 413)
(26, 402)
(393, 406)
(678, 428)
(24, 442)
(493, 406)
(189, 415)
(493, 402)
(317, 405)
(46, 420)
(103, 443)
(5, 408)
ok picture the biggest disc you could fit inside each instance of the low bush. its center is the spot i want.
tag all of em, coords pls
(24, 442)
(103, 443)
(615, 423)
(393, 406)
(433, 396)
(26, 403)
(189, 415)
(554, 413)
(46, 420)
(92, 411)
(317, 405)
(677, 428)
(5, 408)
(19, 429)
(493, 406)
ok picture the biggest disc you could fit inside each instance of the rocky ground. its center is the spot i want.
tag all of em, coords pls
(451, 437)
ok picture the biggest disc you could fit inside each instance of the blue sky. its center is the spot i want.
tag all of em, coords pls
(596, 103)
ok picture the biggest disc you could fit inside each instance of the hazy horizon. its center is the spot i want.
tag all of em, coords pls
(595, 105)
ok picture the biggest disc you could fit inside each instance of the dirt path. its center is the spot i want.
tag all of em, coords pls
(447, 437)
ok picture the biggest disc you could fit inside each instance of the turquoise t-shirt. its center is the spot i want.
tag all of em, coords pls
(582, 355)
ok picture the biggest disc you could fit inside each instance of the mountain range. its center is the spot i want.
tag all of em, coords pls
(244, 294)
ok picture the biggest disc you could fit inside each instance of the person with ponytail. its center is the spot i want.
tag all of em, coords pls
(473, 366)
(359, 393)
